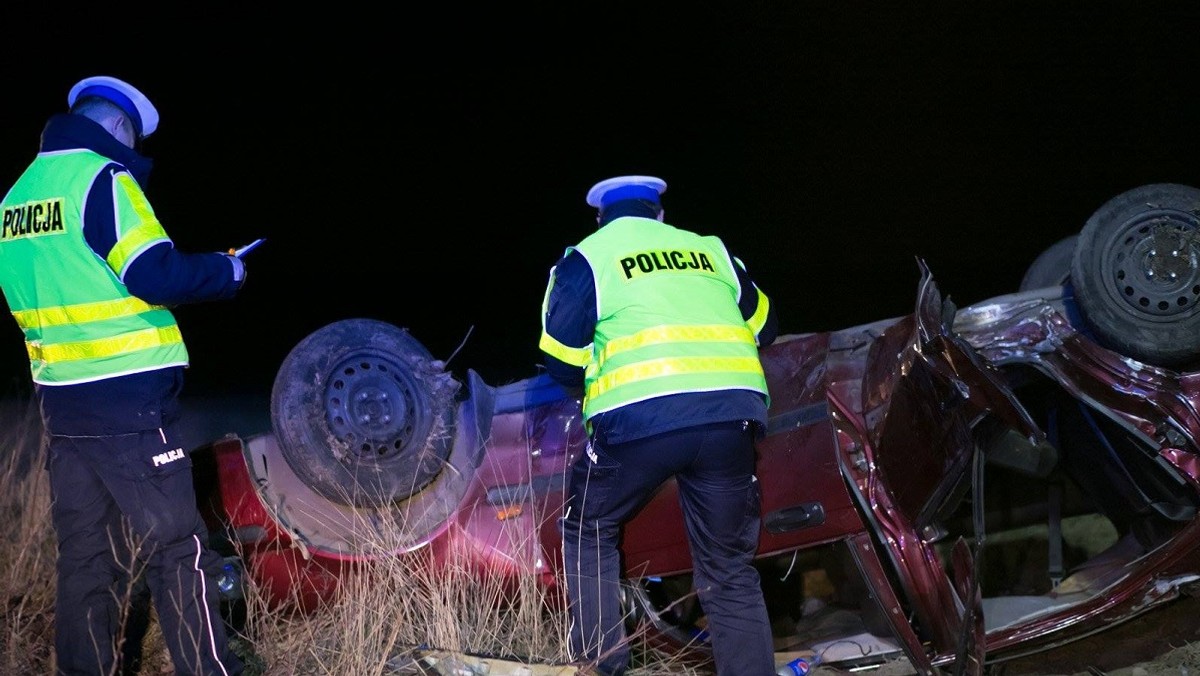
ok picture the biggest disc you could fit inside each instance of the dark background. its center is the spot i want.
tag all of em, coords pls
(427, 166)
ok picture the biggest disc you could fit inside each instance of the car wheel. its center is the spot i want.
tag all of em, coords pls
(363, 413)
(1136, 272)
(1052, 267)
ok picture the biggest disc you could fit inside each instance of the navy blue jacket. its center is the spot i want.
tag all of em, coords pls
(162, 275)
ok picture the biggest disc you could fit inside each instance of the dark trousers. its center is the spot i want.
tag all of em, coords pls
(121, 503)
(714, 468)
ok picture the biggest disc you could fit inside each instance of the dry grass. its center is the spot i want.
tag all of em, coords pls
(28, 553)
(386, 619)
(386, 615)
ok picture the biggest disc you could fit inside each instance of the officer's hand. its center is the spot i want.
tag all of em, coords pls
(239, 269)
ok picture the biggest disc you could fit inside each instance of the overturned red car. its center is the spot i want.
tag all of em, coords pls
(958, 486)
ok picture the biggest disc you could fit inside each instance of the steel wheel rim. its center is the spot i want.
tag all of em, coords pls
(374, 407)
(1154, 264)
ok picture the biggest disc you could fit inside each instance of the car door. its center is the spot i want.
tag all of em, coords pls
(909, 452)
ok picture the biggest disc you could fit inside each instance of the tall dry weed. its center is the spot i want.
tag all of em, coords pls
(401, 605)
(386, 615)
(28, 552)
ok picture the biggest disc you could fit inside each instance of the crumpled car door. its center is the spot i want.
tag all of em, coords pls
(911, 455)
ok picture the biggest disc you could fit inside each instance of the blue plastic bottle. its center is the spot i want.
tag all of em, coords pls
(799, 666)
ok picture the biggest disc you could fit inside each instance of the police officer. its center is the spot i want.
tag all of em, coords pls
(88, 272)
(661, 328)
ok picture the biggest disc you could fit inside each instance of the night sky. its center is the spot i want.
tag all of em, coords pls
(426, 168)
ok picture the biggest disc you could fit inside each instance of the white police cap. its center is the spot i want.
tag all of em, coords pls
(625, 187)
(126, 96)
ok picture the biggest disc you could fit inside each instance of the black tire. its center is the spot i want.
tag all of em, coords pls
(363, 413)
(1136, 272)
(1052, 267)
